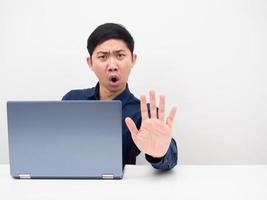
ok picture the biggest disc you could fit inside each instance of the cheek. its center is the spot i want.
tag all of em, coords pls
(98, 68)
(126, 71)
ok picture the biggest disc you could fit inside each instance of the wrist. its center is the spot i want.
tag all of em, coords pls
(153, 159)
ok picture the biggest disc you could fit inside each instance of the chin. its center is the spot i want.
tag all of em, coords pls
(116, 88)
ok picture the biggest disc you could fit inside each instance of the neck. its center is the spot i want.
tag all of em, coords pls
(105, 94)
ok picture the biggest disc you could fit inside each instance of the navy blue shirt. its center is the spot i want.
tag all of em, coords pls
(130, 108)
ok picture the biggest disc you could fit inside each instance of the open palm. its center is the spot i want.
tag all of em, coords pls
(154, 135)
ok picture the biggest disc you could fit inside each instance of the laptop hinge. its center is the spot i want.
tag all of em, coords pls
(107, 176)
(24, 176)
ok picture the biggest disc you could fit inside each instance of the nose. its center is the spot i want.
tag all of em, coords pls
(112, 64)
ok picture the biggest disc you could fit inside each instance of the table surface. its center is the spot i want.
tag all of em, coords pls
(142, 181)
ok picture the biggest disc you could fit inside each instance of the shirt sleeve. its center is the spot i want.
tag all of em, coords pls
(67, 96)
(168, 161)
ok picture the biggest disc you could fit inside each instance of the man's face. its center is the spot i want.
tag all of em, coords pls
(112, 62)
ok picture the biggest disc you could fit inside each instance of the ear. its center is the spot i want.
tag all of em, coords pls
(90, 62)
(134, 57)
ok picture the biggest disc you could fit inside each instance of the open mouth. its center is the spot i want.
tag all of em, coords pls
(114, 79)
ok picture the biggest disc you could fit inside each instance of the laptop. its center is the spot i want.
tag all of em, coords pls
(65, 139)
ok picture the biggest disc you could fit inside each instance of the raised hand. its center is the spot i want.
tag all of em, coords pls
(155, 134)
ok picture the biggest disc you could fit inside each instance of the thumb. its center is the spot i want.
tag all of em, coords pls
(131, 126)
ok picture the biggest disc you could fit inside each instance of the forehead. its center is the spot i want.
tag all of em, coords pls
(111, 45)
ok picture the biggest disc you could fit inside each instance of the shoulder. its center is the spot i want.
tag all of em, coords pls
(79, 94)
(133, 100)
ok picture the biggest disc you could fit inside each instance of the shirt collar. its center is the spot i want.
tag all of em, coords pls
(123, 97)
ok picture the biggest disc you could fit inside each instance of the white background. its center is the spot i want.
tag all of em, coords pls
(209, 57)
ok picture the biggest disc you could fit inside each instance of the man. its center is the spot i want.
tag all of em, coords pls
(111, 58)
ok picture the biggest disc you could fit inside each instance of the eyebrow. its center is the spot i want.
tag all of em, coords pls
(120, 50)
(107, 52)
(102, 52)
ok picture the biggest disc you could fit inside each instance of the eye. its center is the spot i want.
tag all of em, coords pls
(120, 56)
(102, 57)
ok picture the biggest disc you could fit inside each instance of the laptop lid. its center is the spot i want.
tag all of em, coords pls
(65, 139)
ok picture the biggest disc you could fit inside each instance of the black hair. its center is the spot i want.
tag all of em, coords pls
(109, 31)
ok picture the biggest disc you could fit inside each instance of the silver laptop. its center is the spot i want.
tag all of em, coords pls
(65, 139)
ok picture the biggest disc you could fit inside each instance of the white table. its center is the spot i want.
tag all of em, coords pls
(143, 182)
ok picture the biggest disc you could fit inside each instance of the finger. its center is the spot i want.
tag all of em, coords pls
(133, 130)
(161, 107)
(131, 126)
(171, 117)
(143, 107)
(153, 106)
